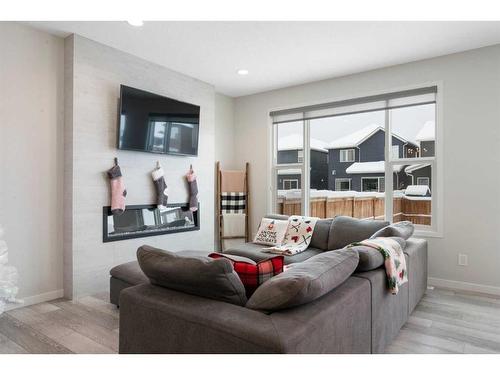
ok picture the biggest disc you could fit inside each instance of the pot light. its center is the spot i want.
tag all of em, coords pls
(136, 23)
(242, 72)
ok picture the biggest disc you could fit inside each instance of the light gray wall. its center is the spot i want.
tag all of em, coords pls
(31, 157)
(471, 82)
(224, 131)
(97, 73)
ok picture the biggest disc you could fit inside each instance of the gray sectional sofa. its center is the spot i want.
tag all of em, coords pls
(359, 316)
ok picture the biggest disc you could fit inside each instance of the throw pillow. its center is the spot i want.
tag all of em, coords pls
(254, 274)
(271, 232)
(198, 275)
(401, 229)
(305, 282)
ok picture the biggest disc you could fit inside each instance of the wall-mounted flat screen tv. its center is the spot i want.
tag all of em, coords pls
(154, 123)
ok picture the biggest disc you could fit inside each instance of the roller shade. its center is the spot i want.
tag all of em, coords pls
(401, 99)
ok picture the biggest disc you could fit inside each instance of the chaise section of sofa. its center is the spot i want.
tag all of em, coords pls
(154, 319)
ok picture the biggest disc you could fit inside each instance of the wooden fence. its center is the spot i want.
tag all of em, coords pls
(416, 211)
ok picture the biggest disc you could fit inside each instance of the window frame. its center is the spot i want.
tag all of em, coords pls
(347, 150)
(424, 178)
(379, 184)
(349, 180)
(437, 225)
(300, 156)
(296, 180)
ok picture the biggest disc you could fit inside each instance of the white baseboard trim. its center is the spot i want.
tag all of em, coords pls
(461, 285)
(33, 300)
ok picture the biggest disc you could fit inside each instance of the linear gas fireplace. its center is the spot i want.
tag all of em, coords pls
(148, 220)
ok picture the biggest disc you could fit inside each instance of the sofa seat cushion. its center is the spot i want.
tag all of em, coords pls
(305, 282)
(254, 252)
(346, 230)
(198, 275)
(130, 273)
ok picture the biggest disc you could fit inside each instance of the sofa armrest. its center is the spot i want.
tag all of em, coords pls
(416, 250)
(154, 319)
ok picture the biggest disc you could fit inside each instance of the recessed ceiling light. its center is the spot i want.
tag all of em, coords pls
(242, 72)
(136, 23)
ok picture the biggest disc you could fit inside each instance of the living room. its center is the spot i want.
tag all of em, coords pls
(154, 196)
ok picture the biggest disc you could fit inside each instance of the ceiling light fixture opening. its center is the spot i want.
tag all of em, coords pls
(136, 23)
(242, 72)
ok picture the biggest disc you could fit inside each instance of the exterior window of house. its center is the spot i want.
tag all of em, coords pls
(423, 181)
(347, 156)
(373, 184)
(365, 156)
(395, 151)
(290, 184)
(342, 184)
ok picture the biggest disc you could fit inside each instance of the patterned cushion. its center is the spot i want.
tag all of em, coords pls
(254, 274)
(271, 232)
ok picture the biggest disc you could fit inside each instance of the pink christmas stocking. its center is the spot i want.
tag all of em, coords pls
(118, 192)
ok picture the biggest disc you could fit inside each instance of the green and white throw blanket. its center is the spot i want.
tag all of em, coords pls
(297, 238)
(395, 263)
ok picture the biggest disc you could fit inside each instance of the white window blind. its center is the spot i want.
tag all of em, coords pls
(401, 99)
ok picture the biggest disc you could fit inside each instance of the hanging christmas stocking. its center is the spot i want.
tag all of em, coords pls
(118, 192)
(161, 187)
(193, 190)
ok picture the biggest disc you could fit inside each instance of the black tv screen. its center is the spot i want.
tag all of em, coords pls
(154, 123)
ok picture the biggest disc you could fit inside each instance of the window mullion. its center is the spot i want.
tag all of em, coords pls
(306, 169)
(388, 203)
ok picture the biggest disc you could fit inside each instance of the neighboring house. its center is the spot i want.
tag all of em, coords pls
(290, 150)
(421, 174)
(356, 161)
(426, 138)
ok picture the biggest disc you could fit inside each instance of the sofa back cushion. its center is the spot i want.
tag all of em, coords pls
(401, 229)
(319, 238)
(345, 230)
(304, 282)
(198, 275)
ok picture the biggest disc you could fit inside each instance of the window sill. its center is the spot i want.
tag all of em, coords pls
(427, 233)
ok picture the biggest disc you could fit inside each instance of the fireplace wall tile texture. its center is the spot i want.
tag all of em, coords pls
(93, 74)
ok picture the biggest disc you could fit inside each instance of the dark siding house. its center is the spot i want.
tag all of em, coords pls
(290, 151)
(356, 162)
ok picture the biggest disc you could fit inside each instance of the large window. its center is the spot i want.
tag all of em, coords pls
(371, 158)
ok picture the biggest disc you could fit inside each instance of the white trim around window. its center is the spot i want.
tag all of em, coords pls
(347, 156)
(339, 181)
(426, 179)
(291, 182)
(437, 227)
(380, 183)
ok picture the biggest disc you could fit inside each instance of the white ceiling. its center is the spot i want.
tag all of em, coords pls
(280, 54)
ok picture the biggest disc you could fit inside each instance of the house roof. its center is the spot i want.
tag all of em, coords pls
(427, 133)
(370, 167)
(356, 138)
(294, 142)
(412, 168)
